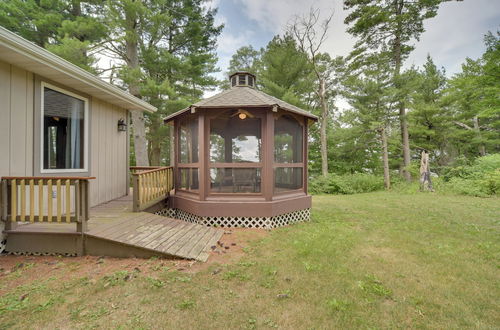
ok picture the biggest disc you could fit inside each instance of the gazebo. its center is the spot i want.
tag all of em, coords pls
(240, 159)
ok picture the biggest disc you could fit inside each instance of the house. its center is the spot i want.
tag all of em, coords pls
(241, 159)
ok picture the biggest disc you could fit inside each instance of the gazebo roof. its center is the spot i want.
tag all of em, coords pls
(243, 96)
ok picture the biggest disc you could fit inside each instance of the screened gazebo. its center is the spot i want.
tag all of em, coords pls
(241, 159)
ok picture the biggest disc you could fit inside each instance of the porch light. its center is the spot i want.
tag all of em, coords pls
(242, 115)
(122, 126)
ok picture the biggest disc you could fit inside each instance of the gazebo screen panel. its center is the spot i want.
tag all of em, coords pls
(235, 141)
(288, 153)
(188, 155)
(188, 140)
(288, 178)
(288, 140)
(188, 179)
(235, 180)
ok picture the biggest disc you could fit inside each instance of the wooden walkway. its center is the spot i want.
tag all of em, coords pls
(115, 229)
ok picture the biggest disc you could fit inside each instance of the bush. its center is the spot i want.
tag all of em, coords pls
(346, 184)
(481, 178)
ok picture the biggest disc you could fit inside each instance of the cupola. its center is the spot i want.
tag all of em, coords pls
(242, 79)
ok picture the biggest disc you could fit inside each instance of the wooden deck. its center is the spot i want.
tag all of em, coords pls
(114, 230)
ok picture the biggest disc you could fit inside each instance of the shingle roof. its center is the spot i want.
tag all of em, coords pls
(240, 96)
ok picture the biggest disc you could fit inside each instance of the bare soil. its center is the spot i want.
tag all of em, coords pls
(229, 249)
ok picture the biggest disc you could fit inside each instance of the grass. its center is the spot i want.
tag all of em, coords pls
(377, 260)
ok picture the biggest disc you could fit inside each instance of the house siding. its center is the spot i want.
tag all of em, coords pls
(108, 159)
(108, 148)
(16, 121)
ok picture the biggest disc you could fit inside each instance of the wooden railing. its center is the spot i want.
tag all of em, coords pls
(151, 185)
(45, 199)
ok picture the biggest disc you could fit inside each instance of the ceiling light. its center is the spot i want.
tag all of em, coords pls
(242, 115)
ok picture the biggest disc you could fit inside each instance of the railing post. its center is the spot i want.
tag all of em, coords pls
(6, 197)
(135, 193)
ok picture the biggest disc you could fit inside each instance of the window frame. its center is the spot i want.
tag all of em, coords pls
(86, 120)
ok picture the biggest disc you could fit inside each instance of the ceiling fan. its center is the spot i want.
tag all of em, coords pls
(243, 114)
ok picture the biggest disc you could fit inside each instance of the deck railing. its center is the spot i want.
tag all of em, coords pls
(45, 199)
(151, 185)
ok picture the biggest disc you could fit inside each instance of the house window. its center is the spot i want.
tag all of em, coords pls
(64, 131)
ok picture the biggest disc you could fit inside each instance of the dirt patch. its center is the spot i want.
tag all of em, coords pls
(230, 247)
(20, 270)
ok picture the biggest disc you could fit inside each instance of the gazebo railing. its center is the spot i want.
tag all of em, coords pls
(151, 185)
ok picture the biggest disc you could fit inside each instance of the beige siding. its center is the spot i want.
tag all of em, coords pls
(108, 148)
(16, 121)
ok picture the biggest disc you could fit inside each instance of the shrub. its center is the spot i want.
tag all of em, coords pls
(346, 184)
(481, 178)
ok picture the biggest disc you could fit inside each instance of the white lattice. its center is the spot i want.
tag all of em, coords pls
(21, 253)
(3, 237)
(245, 222)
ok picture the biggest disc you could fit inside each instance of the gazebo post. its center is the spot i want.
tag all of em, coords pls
(268, 157)
(202, 157)
(306, 154)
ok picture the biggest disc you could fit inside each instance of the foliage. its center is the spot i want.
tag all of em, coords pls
(68, 28)
(481, 178)
(346, 184)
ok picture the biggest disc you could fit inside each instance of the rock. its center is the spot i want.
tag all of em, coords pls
(283, 296)
(213, 247)
(288, 279)
(226, 247)
(216, 271)
(137, 269)
(233, 244)
(23, 297)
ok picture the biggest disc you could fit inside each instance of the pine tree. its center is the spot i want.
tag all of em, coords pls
(430, 120)
(390, 26)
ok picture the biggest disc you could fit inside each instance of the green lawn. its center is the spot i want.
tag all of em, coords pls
(378, 260)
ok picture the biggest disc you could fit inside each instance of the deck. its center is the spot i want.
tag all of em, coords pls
(115, 230)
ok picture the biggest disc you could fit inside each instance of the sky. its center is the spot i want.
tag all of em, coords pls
(454, 34)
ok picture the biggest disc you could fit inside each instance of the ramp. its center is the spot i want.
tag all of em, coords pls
(156, 235)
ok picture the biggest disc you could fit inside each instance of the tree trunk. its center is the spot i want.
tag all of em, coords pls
(385, 158)
(324, 124)
(155, 152)
(425, 173)
(482, 149)
(138, 122)
(405, 141)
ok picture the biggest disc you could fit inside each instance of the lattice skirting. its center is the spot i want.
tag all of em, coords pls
(246, 222)
(53, 254)
(2, 237)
